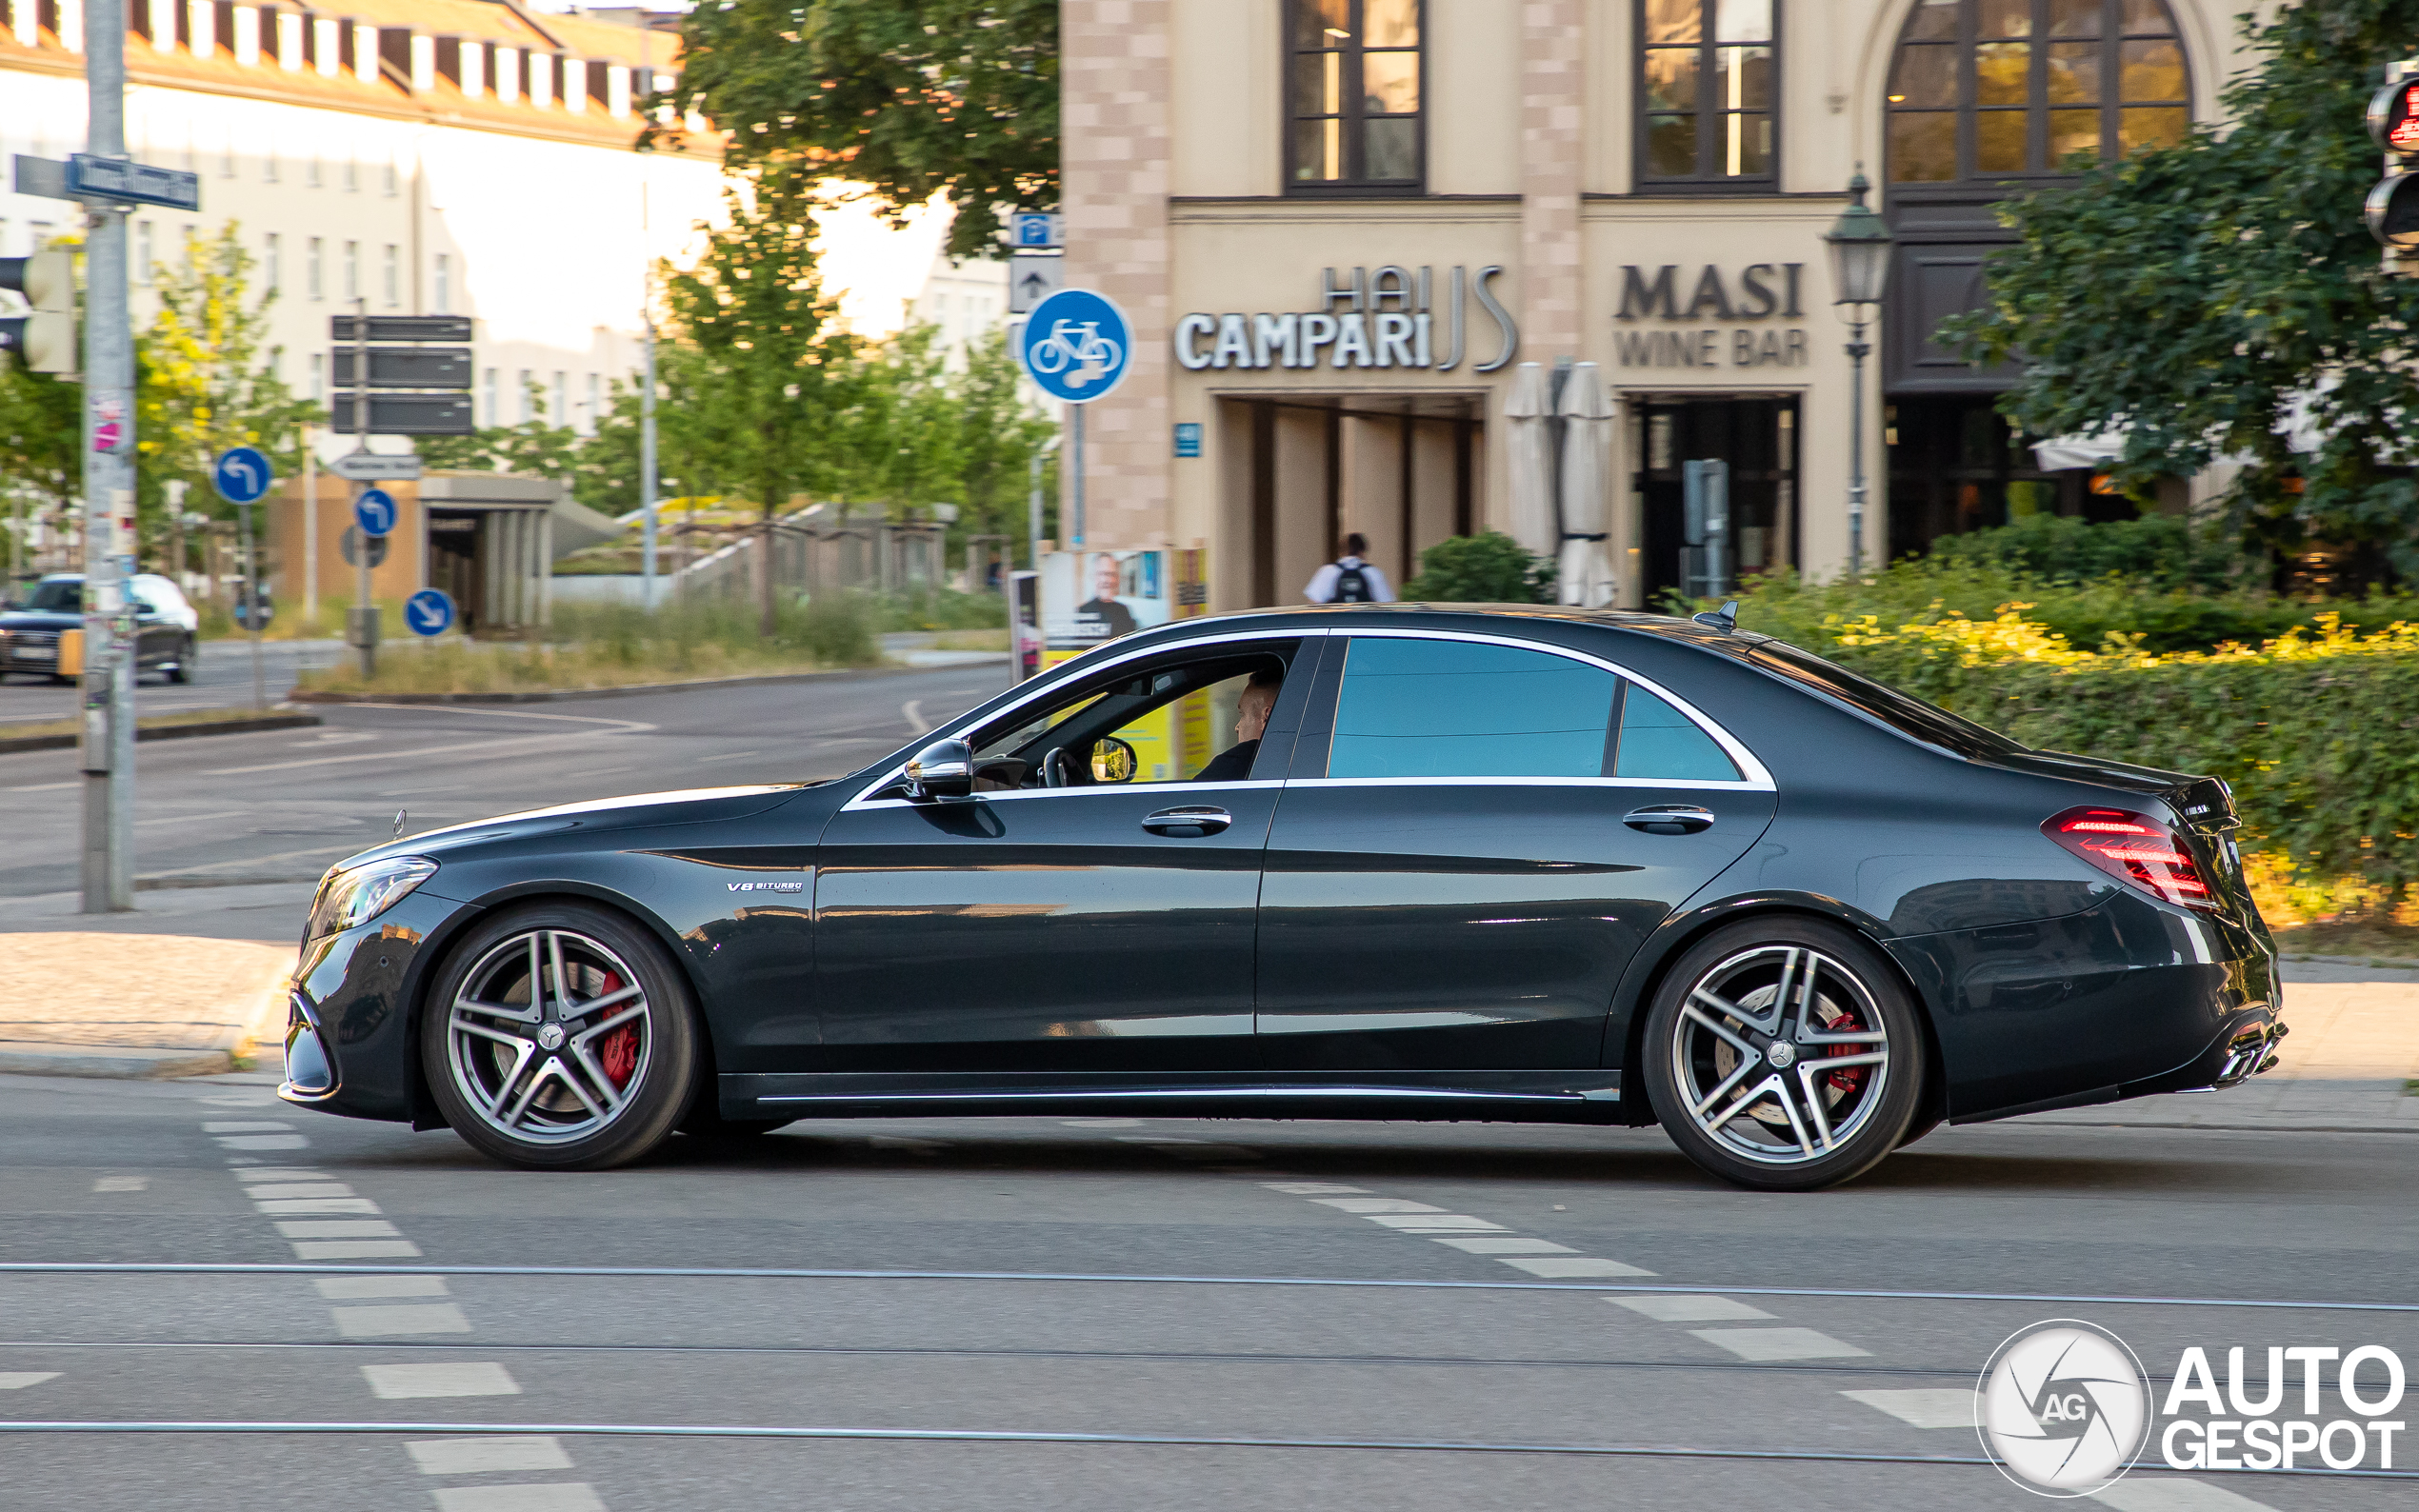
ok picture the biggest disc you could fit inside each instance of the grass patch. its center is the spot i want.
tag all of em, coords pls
(971, 640)
(622, 645)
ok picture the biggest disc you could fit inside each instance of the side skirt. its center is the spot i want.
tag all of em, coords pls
(1529, 1097)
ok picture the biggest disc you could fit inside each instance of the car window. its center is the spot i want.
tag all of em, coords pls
(1170, 722)
(1417, 707)
(1659, 741)
(55, 597)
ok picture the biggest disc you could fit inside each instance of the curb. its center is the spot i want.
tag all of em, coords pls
(554, 695)
(143, 733)
(123, 1063)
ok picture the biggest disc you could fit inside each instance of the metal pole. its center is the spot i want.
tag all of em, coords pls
(365, 608)
(1033, 512)
(1857, 352)
(311, 529)
(647, 501)
(252, 599)
(1075, 535)
(109, 493)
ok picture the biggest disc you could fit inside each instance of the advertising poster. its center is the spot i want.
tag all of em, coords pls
(1089, 598)
(1024, 625)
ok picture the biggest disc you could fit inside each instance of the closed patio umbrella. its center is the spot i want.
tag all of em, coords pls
(1585, 576)
(1531, 460)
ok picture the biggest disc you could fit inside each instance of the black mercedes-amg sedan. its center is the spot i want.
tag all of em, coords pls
(1516, 863)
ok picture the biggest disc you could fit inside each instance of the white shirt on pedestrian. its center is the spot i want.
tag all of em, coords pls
(1322, 587)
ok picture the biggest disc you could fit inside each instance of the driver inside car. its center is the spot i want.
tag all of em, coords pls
(1252, 718)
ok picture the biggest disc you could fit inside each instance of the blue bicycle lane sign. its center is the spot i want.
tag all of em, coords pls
(1076, 344)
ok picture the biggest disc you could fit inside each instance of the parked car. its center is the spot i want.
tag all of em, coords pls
(167, 629)
(1475, 863)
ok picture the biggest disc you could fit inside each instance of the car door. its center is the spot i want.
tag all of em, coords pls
(1104, 926)
(1477, 835)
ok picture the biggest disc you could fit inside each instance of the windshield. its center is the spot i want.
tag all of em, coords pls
(1912, 717)
(57, 596)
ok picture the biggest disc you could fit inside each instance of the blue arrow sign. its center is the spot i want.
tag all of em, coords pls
(428, 612)
(374, 511)
(242, 474)
(1076, 344)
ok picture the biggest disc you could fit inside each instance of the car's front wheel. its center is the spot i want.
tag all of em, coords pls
(561, 1037)
(181, 670)
(1783, 1054)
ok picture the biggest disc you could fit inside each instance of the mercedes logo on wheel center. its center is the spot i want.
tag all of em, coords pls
(2063, 1408)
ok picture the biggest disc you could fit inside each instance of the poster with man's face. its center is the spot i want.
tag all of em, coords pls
(1089, 597)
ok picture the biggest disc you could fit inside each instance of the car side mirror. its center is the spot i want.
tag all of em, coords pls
(942, 770)
(1113, 761)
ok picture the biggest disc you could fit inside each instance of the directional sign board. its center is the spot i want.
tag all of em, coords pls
(428, 612)
(402, 327)
(368, 467)
(405, 414)
(1033, 229)
(374, 511)
(1076, 344)
(241, 474)
(1033, 277)
(110, 178)
(409, 367)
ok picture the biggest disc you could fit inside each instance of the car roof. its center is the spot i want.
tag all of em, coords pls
(1663, 626)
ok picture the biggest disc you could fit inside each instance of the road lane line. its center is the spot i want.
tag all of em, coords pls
(400, 1321)
(270, 1189)
(263, 1142)
(353, 1228)
(42, 787)
(192, 819)
(913, 711)
(1689, 1307)
(242, 1127)
(355, 1249)
(1924, 1406)
(121, 1183)
(1555, 1268)
(1374, 1205)
(452, 1378)
(353, 1288)
(290, 1208)
(1488, 1244)
(728, 756)
(510, 1453)
(1764, 1346)
(19, 1380)
(509, 743)
(2175, 1494)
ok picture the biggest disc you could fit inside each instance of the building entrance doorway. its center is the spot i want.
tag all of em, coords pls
(1757, 436)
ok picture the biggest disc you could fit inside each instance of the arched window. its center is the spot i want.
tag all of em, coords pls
(1994, 89)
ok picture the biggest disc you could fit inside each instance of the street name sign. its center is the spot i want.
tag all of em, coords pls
(402, 327)
(407, 368)
(368, 467)
(110, 178)
(405, 414)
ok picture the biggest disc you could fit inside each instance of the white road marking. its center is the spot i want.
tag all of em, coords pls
(913, 711)
(416, 792)
(270, 1189)
(1691, 1307)
(40, 788)
(355, 1249)
(1438, 1222)
(728, 756)
(1764, 1345)
(1488, 1245)
(389, 1323)
(348, 1288)
(263, 1142)
(121, 1183)
(359, 1229)
(452, 1378)
(1152, 1138)
(2175, 1494)
(1375, 1204)
(1557, 1267)
(19, 1380)
(510, 742)
(564, 1496)
(487, 1456)
(603, 771)
(1310, 1188)
(1101, 1122)
(1924, 1407)
(281, 1173)
(192, 819)
(297, 1207)
(242, 1127)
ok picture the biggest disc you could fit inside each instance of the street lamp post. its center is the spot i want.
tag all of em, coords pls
(1859, 241)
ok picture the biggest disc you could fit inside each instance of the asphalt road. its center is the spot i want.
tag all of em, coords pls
(230, 831)
(969, 1346)
(222, 679)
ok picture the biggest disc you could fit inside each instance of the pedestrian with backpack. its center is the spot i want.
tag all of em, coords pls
(1349, 580)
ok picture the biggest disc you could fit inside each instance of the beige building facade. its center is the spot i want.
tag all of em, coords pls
(1342, 227)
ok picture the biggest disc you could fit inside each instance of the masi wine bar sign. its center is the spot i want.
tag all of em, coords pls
(1667, 320)
(1392, 317)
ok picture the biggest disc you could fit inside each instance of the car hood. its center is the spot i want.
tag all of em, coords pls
(687, 806)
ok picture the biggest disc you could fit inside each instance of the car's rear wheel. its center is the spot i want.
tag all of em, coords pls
(1783, 1054)
(181, 670)
(561, 1037)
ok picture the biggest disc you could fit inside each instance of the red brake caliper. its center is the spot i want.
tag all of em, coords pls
(619, 1049)
(1853, 1077)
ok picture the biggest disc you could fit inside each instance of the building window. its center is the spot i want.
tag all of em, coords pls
(269, 165)
(559, 411)
(311, 173)
(2003, 88)
(1354, 97)
(595, 406)
(489, 405)
(353, 175)
(441, 286)
(353, 269)
(529, 396)
(1709, 85)
(316, 268)
(319, 377)
(391, 274)
(272, 260)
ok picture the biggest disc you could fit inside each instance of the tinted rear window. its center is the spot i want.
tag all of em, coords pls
(1460, 709)
(1660, 743)
(1912, 717)
(55, 597)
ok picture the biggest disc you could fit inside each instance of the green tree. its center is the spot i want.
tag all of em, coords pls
(771, 384)
(2213, 297)
(206, 378)
(903, 98)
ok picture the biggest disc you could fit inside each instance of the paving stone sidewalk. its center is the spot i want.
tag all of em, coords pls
(83, 1003)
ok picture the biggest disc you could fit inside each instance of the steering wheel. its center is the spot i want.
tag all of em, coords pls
(1054, 767)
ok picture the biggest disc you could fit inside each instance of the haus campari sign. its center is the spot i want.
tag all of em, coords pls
(1394, 316)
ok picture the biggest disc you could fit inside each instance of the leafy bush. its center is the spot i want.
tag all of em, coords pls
(1489, 569)
(2156, 551)
(937, 609)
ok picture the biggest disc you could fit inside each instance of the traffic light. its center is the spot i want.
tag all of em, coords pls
(46, 339)
(2392, 208)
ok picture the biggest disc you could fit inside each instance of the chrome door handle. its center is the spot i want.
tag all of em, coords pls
(1199, 816)
(1669, 818)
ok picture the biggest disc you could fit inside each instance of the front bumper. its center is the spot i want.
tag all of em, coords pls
(349, 1010)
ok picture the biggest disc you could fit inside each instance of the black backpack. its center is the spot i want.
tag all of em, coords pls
(1352, 585)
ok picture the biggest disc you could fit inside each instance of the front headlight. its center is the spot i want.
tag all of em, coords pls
(348, 898)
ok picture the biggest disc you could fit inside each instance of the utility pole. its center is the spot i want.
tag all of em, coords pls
(107, 742)
(365, 608)
(647, 500)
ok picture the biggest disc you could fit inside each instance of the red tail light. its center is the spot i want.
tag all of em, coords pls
(2134, 848)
